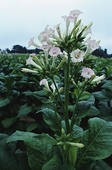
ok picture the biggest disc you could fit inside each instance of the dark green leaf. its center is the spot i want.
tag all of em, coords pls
(4, 102)
(24, 110)
(77, 132)
(52, 119)
(97, 140)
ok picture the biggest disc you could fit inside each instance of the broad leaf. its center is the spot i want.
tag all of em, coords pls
(53, 164)
(77, 132)
(9, 159)
(39, 147)
(24, 110)
(97, 140)
(52, 119)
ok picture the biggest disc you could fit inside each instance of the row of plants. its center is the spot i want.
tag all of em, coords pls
(61, 106)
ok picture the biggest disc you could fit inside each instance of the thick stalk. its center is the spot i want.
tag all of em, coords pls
(67, 84)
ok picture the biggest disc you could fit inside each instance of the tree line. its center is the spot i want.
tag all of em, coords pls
(23, 50)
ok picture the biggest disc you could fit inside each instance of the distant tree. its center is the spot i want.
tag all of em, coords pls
(19, 49)
(101, 53)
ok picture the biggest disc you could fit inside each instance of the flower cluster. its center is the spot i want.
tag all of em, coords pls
(54, 43)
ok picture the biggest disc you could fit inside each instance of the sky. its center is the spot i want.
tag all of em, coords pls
(22, 19)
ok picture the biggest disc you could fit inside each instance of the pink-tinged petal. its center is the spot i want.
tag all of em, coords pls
(54, 51)
(87, 73)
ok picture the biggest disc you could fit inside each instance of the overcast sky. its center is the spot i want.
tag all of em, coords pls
(22, 19)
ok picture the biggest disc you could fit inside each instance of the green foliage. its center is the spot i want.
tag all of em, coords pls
(39, 147)
(52, 119)
(9, 159)
(61, 138)
(97, 140)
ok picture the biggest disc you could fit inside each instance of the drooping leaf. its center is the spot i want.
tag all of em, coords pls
(97, 140)
(39, 147)
(9, 159)
(52, 119)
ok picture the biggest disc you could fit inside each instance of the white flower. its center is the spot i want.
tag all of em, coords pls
(30, 61)
(43, 82)
(49, 31)
(54, 51)
(32, 43)
(43, 36)
(77, 56)
(98, 79)
(73, 15)
(26, 70)
(53, 87)
(45, 46)
(92, 44)
(87, 73)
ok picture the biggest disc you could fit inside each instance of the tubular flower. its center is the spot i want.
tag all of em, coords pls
(30, 61)
(54, 51)
(32, 43)
(44, 82)
(73, 15)
(98, 79)
(77, 56)
(26, 70)
(46, 34)
(53, 87)
(45, 46)
(92, 44)
(43, 36)
(87, 73)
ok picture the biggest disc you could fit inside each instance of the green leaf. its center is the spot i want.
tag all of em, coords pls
(108, 85)
(97, 140)
(39, 147)
(94, 165)
(85, 95)
(32, 126)
(101, 165)
(4, 102)
(77, 132)
(9, 122)
(52, 119)
(9, 159)
(100, 95)
(35, 159)
(53, 164)
(23, 136)
(24, 110)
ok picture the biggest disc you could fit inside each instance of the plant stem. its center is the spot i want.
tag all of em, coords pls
(57, 91)
(67, 84)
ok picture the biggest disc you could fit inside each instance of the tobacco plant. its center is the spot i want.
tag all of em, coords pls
(67, 80)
